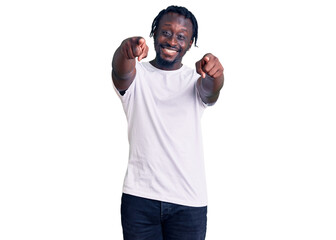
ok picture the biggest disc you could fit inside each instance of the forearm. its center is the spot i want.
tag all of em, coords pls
(209, 88)
(212, 78)
(122, 66)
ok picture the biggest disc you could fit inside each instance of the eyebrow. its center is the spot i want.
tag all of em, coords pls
(168, 25)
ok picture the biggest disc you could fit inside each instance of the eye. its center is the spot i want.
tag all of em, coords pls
(181, 37)
(166, 33)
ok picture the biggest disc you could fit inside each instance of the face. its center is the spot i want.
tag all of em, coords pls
(172, 39)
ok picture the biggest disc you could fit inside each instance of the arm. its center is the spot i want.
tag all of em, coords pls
(212, 78)
(123, 63)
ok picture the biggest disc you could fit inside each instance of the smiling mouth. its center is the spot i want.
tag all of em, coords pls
(169, 51)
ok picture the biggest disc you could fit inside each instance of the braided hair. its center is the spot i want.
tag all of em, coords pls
(179, 10)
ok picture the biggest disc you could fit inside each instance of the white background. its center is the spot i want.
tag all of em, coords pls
(269, 141)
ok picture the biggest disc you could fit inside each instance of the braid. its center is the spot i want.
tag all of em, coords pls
(182, 11)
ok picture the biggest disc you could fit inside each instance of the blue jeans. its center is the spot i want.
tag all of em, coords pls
(146, 219)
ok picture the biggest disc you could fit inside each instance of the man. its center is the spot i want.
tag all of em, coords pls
(164, 193)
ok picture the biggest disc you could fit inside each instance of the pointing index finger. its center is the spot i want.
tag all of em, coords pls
(205, 60)
(144, 49)
(141, 41)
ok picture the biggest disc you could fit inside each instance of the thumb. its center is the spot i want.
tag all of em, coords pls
(199, 66)
(204, 61)
(200, 71)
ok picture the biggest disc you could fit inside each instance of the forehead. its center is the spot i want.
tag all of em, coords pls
(177, 20)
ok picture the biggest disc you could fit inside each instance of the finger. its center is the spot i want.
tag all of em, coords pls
(136, 46)
(206, 59)
(128, 52)
(137, 50)
(132, 53)
(208, 67)
(218, 73)
(141, 45)
(143, 54)
(144, 49)
(199, 68)
(200, 72)
(213, 70)
(141, 41)
(141, 57)
(203, 74)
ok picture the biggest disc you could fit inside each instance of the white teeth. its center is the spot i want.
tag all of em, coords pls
(169, 51)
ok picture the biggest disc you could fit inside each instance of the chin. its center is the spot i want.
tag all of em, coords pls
(164, 62)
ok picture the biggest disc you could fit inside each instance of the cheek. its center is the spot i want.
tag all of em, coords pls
(156, 43)
(160, 39)
(184, 46)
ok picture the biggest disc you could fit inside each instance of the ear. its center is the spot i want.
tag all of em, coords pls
(190, 44)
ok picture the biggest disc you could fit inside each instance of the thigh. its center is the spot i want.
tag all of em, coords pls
(140, 218)
(185, 223)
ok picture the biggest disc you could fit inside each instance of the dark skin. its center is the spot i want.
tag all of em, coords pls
(172, 39)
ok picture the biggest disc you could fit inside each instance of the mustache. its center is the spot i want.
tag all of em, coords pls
(167, 45)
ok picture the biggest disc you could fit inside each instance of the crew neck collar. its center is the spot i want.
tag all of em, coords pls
(166, 71)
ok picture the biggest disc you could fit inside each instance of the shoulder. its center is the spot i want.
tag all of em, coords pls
(143, 66)
(190, 73)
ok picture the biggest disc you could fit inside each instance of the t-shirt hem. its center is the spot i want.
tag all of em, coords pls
(165, 199)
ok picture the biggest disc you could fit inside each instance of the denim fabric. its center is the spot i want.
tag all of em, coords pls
(146, 219)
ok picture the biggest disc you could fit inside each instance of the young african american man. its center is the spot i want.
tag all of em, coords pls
(164, 194)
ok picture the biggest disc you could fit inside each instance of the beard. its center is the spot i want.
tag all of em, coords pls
(163, 62)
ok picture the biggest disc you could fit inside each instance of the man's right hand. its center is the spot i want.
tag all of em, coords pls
(123, 62)
(134, 47)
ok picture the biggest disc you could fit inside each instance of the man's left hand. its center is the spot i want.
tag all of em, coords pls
(209, 65)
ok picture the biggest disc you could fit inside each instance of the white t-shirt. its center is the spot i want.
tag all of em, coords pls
(163, 110)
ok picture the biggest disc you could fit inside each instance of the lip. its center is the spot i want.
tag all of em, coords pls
(170, 48)
(169, 51)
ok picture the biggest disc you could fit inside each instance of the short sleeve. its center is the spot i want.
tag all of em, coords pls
(130, 89)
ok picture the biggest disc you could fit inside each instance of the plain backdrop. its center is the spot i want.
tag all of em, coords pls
(269, 141)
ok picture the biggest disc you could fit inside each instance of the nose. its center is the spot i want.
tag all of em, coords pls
(172, 41)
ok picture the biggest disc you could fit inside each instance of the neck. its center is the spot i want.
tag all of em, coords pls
(168, 66)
